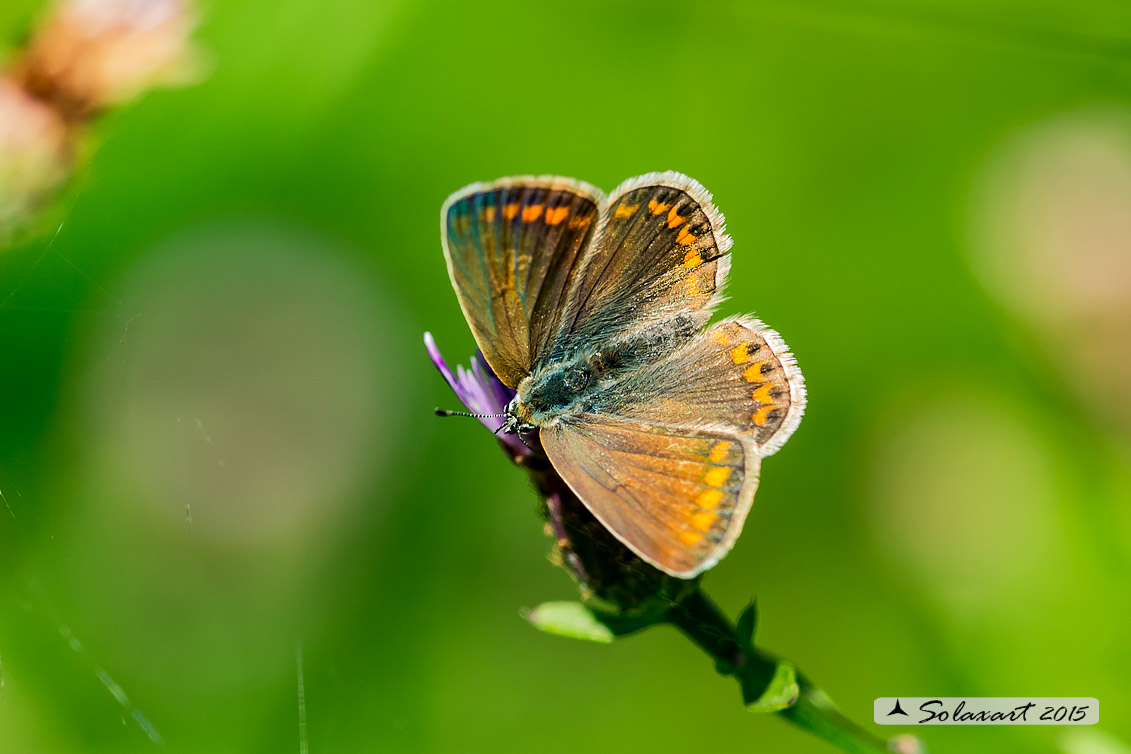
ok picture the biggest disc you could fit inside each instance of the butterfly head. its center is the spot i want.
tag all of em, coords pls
(518, 418)
(550, 393)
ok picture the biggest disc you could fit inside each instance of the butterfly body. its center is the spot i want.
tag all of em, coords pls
(595, 310)
(587, 382)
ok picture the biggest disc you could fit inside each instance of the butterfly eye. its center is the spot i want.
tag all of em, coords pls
(576, 379)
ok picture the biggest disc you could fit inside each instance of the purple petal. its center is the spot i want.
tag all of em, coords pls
(502, 393)
(479, 390)
(438, 361)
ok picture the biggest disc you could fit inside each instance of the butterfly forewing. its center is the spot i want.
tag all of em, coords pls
(676, 496)
(513, 249)
(662, 253)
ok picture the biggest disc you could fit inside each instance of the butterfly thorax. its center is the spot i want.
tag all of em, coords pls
(548, 394)
(583, 381)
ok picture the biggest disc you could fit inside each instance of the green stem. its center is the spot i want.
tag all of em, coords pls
(707, 627)
(816, 713)
(701, 620)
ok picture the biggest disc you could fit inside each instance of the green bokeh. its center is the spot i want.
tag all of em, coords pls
(845, 141)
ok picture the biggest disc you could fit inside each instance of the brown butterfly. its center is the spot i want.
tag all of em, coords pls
(595, 310)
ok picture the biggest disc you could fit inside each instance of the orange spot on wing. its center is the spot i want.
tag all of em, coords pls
(576, 223)
(555, 216)
(626, 210)
(753, 373)
(719, 451)
(489, 214)
(717, 476)
(740, 354)
(708, 499)
(703, 520)
(690, 537)
(657, 208)
(674, 220)
(762, 394)
(532, 213)
(692, 259)
(762, 415)
(692, 285)
(510, 211)
(721, 337)
(685, 238)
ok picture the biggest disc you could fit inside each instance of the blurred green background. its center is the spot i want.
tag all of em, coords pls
(217, 443)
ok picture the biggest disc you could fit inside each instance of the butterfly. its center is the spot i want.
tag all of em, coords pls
(596, 310)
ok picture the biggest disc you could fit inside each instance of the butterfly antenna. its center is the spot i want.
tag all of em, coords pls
(500, 428)
(446, 412)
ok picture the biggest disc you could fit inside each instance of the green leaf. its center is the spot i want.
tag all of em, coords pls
(570, 619)
(747, 622)
(781, 692)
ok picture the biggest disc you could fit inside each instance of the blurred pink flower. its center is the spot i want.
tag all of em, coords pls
(90, 54)
(34, 151)
(85, 56)
(1053, 244)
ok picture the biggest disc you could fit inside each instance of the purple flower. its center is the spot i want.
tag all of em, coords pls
(601, 564)
(480, 391)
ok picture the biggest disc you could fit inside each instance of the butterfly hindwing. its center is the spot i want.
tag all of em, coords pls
(738, 374)
(662, 252)
(513, 248)
(668, 460)
(676, 496)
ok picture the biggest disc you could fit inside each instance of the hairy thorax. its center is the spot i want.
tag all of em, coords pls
(560, 389)
(585, 380)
